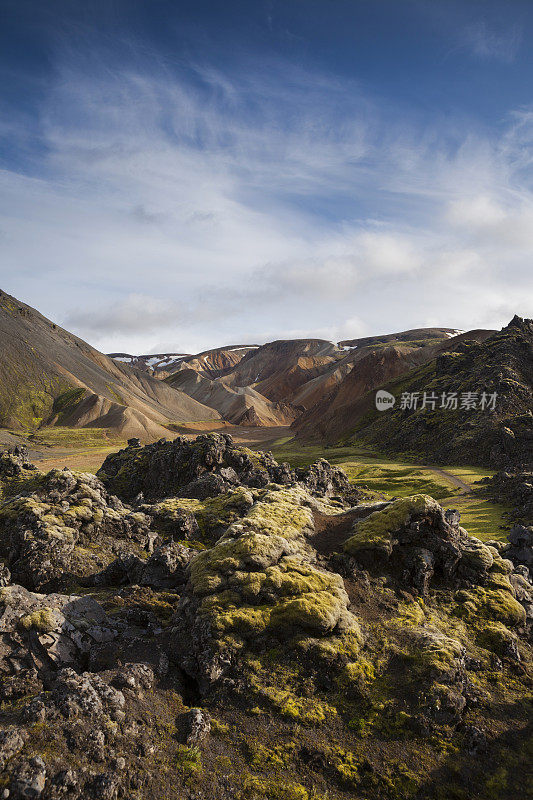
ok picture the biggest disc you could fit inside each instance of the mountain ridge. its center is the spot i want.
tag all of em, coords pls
(47, 373)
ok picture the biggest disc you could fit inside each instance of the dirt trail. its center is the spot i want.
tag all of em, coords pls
(458, 482)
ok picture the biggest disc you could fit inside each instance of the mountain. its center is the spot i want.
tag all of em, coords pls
(241, 405)
(198, 621)
(371, 364)
(420, 336)
(47, 375)
(279, 368)
(334, 413)
(273, 383)
(219, 361)
(211, 363)
(154, 363)
(303, 372)
(500, 436)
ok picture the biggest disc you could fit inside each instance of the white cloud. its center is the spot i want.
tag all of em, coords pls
(162, 214)
(134, 313)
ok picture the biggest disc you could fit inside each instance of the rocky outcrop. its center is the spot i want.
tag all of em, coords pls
(167, 568)
(46, 521)
(260, 579)
(514, 489)
(420, 543)
(51, 630)
(205, 467)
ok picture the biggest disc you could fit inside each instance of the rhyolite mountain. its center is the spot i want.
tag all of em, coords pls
(199, 621)
(211, 363)
(301, 372)
(500, 363)
(420, 336)
(325, 390)
(240, 405)
(337, 412)
(49, 376)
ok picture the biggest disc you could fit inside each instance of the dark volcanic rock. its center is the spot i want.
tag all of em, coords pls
(515, 489)
(328, 646)
(205, 467)
(165, 569)
(520, 550)
(46, 527)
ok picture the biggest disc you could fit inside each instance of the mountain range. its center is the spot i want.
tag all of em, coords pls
(324, 390)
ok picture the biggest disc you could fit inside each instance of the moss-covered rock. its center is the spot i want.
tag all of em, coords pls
(491, 604)
(476, 556)
(49, 527)
(375, 533)
(173, 516)
(207, 466)
(259, 579)
(434, 655)
(43, 620)
(499, 639)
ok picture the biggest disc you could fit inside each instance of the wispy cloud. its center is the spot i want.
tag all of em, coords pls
(192, 207)
(487, 42)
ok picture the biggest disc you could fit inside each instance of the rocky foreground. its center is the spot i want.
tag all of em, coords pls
(198, 621)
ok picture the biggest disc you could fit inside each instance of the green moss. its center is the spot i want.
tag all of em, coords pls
(282, 513)
(412, 613)
(329, 652)
(254, 788)
(374, 532)
(476, 555)
(360, 673)
(270, 758)
(211, 514)
(497, 638)
(305, 710)
(316, 611)
(67, 401)
(432, 653)
(501, 565)
(188, 760)
(255, 579)
(42, 620)
(346, 766)
(26, 406)
(219, 728)
(491, 604)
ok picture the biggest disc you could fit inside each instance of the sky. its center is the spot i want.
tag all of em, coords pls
(182, 175)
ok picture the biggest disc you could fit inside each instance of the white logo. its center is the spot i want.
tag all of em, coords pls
(384, 400)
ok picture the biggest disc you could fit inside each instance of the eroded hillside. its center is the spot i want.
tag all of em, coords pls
(49, 376)
(494, 429)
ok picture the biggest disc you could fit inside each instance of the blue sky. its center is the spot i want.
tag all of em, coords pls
(179, 175)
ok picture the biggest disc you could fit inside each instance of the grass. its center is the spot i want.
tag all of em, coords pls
(84, 449)
(399, 478)
(374, 471)
(72, 437)
(481, 517)
(81, 449)
(79, 461)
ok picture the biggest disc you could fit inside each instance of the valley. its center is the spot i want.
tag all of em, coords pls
(85, 450)
(233, 570)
